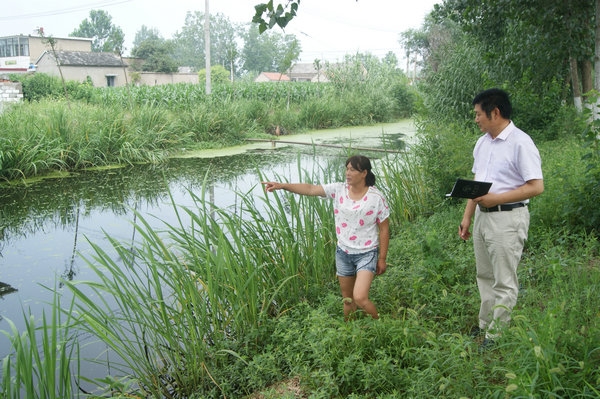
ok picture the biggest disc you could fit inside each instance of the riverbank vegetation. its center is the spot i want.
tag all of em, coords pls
(243, 302)
(103, 126)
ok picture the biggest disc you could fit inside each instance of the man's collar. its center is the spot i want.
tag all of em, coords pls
(504, 133)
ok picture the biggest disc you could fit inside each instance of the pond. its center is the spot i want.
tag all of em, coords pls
(46, 227)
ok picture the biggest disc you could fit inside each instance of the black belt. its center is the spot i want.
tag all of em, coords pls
(505, 207)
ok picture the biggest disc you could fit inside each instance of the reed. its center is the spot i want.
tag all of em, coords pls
(187, 292)
(47, 136)
(100, 126)
(406, 186)
(45, 358)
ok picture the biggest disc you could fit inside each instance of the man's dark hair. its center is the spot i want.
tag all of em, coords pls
(490, 99)
(360, 163)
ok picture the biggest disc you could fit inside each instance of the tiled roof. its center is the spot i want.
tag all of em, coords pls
(87, 58)
(304, 68)
(275, 76)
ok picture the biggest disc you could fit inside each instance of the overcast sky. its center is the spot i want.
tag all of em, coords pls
(327, 29)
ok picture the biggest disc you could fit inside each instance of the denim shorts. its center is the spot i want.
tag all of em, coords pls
(347, 265)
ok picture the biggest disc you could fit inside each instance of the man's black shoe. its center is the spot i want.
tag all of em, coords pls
(475, 332)
(487, 345)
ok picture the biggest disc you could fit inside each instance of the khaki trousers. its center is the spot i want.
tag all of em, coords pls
(498, 239)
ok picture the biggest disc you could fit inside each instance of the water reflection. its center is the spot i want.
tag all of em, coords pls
(5, 289)
(58, 202)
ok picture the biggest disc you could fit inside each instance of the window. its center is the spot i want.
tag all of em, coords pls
(17, 46)
(24, 48)
(110, 80)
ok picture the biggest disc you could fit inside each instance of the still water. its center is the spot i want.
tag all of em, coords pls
(46, 227)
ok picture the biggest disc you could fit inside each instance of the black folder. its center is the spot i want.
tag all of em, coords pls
(469, 188)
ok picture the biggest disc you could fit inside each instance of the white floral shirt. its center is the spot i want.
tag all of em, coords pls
(356, 222)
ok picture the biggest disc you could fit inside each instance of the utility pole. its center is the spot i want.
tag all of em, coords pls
(595, 112)
(207, 45)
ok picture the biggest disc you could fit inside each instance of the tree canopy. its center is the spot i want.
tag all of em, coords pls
(535, 49)
(157, 54)
(190, 41)
(99, 27)
(269, 51)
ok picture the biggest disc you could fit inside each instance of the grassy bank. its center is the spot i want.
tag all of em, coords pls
(240, 302)
(51, 135)
(147, 124)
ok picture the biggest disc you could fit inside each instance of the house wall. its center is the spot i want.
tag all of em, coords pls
(153, 79)
(37, 47)
(98, 75)
(262, 78)
(80, 73)
(272, 77)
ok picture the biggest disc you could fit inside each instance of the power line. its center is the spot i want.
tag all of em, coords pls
(64, 10)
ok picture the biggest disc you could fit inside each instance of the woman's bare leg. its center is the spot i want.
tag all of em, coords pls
(357, 290)
(347, 287)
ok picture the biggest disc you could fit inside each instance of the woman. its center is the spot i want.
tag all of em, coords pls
(362, 229)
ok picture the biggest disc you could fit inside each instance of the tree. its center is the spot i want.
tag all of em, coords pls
(99, 27)
(51, 41)
(218, 75)
(269, 52)
(359, 71)
(145, 33)
(550, 40)
(373, 83)
(289, 53)
(416, 45)
(224, 43)
(390, 59)
(190, 42)
(157, 54)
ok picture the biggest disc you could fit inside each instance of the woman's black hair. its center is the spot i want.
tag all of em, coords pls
(360, 163)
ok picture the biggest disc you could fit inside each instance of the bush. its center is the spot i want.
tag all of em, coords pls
(446, 153)
(404, 99)
(585, 203)
(38, 86)
(218, 75)
(536, 112)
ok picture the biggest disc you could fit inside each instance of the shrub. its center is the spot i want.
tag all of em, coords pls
(39, 85)
(404, 99)
(218, 75)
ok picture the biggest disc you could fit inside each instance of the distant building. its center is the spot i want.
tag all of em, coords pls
(272, 77)
(104, 69)
(19, 53)
(306, 72)
(30, 54)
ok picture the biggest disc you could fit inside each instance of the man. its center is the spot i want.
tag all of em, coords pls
(508, 158)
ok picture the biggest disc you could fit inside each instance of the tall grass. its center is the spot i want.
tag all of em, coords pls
(47, 136)
(100, 126)
(407, 187)
(45, 359)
